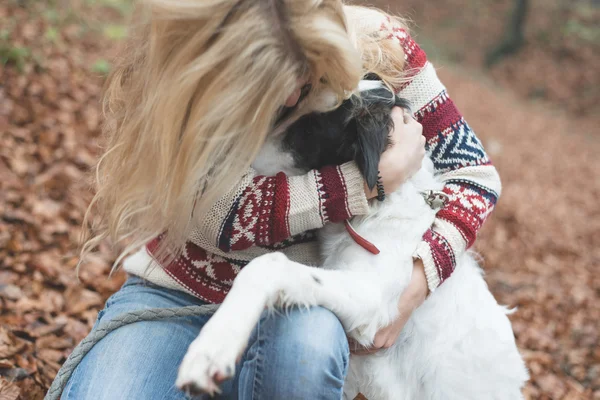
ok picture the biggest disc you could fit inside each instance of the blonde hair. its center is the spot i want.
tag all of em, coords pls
(381, 54)
(196, 91)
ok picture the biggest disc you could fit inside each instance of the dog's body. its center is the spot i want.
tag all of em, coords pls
(458, 345)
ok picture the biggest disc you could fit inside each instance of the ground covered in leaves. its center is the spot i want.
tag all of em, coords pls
(540, 248)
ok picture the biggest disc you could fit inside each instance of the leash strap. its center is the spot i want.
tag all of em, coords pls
(361, 241)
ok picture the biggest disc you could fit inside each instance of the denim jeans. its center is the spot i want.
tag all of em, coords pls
(300, 354)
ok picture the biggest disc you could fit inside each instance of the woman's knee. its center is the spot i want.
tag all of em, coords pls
(138, 360)
(320, 330)
(300, 354)
(134, 361)
(313, 338)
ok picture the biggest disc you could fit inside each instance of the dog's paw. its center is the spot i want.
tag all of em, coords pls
(209, 361)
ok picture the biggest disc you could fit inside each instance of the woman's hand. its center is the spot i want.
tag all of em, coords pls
(412, 297)
(404, 157)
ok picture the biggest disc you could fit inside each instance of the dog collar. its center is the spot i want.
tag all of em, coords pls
(434, 198)
(361, 241)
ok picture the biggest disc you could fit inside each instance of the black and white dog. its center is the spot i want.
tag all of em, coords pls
(458, 345)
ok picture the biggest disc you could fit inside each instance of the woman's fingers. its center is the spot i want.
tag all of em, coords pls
(384, 339)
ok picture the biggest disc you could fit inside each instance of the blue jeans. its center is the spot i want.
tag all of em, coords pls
(302, 354)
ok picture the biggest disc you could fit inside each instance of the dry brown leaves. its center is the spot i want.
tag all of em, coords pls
(540, 247)
(49, 119)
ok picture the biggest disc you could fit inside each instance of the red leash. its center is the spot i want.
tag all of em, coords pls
(361, 241)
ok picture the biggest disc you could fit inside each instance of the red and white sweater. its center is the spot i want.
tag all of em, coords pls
(279, 213)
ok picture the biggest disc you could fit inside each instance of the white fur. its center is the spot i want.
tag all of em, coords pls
(271, 160)
(365, 85)
(458, 345)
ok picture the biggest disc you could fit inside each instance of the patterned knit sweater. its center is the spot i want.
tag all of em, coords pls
(280, 213)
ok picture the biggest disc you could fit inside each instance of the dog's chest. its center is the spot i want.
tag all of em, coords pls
(395, 227)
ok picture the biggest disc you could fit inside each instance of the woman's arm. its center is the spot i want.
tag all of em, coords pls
(471, 181)
(264, 210)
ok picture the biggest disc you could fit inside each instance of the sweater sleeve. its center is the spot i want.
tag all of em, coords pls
(471, 181)
(265, 210)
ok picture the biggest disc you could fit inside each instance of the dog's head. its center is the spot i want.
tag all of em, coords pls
(356, 131)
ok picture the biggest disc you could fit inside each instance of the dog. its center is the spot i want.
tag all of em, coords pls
(458, 344)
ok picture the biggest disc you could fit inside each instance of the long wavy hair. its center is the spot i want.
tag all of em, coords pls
(191, 99)
(380, 54)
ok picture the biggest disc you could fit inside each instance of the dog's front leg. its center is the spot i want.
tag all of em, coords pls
(222, 340)
(267, 281)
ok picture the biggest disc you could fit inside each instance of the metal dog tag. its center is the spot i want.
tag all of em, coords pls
(436, 199)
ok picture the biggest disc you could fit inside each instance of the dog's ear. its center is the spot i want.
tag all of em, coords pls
(371, 141)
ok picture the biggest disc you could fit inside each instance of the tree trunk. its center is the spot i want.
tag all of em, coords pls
(514, 37)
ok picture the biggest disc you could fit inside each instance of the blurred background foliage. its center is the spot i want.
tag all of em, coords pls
(558, 59)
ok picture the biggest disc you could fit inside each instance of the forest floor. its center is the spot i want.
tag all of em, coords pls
(540, 248)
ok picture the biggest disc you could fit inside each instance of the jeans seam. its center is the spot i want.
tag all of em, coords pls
(113, 299)
(257, 381)
(346, 359)
(132, 281)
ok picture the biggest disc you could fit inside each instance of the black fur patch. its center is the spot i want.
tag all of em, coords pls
(356, 131)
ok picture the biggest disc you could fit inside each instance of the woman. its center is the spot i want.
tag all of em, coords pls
(200, 88)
